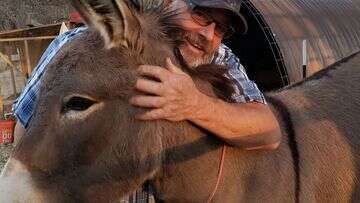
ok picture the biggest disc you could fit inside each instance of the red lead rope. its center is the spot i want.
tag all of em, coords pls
(221, 166)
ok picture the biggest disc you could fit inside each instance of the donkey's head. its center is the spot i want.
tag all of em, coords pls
(83, 143)
(83, 126)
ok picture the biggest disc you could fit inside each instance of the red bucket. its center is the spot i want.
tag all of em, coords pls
(7, 131)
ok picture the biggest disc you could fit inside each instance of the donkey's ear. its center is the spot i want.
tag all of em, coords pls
(116, 22)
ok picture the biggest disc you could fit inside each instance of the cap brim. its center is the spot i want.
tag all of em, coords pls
(240, 25)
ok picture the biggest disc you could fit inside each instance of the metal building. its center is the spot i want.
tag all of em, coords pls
(272, 50)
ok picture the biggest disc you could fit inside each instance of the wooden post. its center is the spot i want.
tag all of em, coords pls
(1, 108)
(304, 62)
(13, 80)
(27, 58)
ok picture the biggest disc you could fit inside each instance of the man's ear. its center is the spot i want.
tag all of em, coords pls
(116, 22)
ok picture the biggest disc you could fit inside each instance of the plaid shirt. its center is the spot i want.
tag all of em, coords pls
(245, 89)
(24, 104)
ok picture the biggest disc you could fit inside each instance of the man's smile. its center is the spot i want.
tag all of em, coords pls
(196, 48)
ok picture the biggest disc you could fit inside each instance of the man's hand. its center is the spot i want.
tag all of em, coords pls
(173, 97)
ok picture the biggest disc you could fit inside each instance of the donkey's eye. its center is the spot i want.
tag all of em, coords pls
(78, 107)
(77, 103)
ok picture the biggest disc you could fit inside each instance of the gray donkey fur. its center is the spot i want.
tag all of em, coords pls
(84, 145)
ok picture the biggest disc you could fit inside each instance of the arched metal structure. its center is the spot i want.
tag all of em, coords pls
(330, 27)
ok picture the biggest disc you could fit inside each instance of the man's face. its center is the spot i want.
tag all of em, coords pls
(200, 39)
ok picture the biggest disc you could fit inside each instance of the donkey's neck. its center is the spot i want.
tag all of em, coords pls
(185, 149)
(191, 161)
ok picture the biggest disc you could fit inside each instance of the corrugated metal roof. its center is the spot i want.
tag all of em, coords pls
(331, 28)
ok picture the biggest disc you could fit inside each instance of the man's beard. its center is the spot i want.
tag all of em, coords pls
(181, 37)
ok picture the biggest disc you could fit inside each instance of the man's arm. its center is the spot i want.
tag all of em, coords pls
(246, 125)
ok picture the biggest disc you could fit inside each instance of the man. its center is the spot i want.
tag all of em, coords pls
(248, 124)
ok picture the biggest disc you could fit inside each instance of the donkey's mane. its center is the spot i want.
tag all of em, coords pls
(143, 6)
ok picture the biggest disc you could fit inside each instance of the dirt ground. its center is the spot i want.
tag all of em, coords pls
(5, 150)
(17, 13)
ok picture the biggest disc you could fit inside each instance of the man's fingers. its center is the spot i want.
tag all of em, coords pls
(152, 115)
(149, 86)
(153, 71)
(172, 68)
(147, 101)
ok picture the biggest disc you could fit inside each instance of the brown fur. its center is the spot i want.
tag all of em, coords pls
(324, 113)
(110, 154)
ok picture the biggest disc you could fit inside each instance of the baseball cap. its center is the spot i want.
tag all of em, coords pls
(233, 6)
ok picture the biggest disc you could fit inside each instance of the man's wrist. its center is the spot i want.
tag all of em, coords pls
(204, 107)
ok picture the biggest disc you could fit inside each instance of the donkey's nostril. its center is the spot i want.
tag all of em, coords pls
(77, 103)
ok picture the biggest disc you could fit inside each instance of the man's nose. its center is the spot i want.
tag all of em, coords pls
(208, 31)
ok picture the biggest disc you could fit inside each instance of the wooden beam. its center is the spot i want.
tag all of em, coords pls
(44, 30)
(26, 38)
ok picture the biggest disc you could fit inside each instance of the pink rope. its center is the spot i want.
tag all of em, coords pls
(221, 166)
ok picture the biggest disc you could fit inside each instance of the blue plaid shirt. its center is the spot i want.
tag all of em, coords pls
(245, 89)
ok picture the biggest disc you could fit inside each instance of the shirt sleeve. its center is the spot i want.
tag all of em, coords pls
(23, 106)
(245, 89)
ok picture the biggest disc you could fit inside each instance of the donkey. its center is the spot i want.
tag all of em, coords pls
(84, 145)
